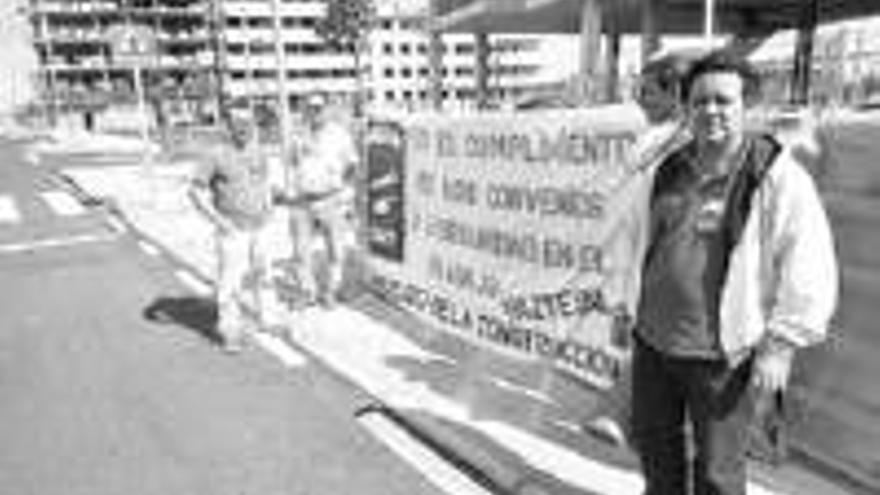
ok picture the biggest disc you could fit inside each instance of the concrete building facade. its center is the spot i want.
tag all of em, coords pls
(78, 43)
(251, 55)
(255, 50)
(395, 62)
(400, 67)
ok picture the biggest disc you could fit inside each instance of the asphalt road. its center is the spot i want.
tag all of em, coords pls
(110, 384)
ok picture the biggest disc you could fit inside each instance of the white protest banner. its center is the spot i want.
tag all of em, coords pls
(505, 228)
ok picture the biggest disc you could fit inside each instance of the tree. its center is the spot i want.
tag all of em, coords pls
(346, 27)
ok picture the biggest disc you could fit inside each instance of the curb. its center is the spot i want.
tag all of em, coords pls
(78, 192)
(112, 208)
(831, 470)
(451, 455)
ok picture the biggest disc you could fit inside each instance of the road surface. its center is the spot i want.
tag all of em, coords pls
(110, 383)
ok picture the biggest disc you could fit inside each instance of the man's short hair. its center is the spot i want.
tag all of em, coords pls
(724, 61)
(668, 68)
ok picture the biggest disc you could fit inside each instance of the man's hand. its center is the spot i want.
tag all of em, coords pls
(772, 366)
(200, 197)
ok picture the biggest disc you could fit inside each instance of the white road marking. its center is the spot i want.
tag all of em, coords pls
(62, 203)
(440, 472)
(520, 389)
(195, 284)
(280, 349)
(21, 247)
(149, 248)
(8, 211)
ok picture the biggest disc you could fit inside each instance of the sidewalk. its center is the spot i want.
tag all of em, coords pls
(367, 341)
(82, 142)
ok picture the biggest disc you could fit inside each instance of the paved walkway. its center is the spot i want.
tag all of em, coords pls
(363, 346)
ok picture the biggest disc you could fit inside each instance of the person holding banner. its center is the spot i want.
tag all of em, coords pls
(233, 190)
(659, 97)
(738, 272)
(323, 159)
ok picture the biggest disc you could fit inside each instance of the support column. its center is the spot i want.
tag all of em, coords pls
(435, 59)
(799, 93)
(281, 81)
(650, 28)
(482, 69)
(51, 80)
(709, 22)
(590, 49)
(612, 94)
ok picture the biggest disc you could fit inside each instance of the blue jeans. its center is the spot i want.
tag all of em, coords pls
(672, 396)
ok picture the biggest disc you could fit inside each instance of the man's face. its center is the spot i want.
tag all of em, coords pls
(716, 107)
(314, 114)
(239, 132)
(659, 104)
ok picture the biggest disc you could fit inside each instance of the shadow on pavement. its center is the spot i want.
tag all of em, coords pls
(495, 467)
(198, 314)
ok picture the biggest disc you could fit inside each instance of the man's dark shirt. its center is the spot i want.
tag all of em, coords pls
(694, 223)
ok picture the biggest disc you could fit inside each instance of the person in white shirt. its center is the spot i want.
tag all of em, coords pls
(659, 96)
(323, 157)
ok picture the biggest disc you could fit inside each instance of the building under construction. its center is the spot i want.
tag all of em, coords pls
(188, 55)
(84, 65)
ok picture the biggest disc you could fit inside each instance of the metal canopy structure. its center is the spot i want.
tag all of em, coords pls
(746, 18)
(743, 19)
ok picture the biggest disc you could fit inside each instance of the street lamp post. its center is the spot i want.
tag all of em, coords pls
(709, 23)
(134, 47)
(283, 101)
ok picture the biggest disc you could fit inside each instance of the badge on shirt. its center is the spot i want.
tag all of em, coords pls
(709, 215)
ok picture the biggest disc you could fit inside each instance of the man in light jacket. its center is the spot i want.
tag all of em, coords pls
(738, 271)
(324, 158)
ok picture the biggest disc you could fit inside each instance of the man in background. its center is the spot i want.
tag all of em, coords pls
(232, 189)
(659, 97)
(323, 158)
